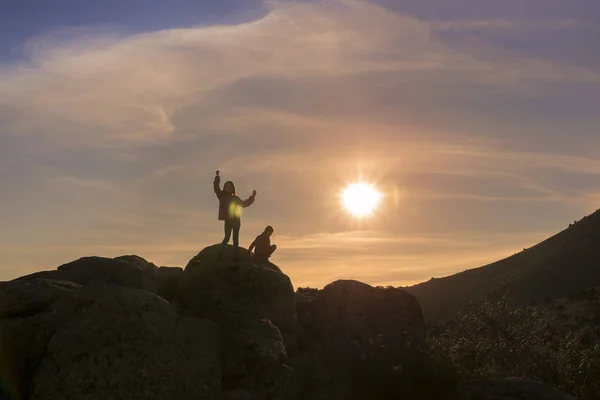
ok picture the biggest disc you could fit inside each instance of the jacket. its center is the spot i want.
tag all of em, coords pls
(229, 205)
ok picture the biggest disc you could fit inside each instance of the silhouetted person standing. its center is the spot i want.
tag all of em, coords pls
(230, 206)
(263, 246)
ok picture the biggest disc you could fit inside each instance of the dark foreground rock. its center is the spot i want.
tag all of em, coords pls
(227, 292)
(97, 270)
(23, 298)
(130, 271)
(357, 311)
(356, 337)
(254, 361)
(347, 314)
(101, 328)
(510, 389)
(253, 305)
(114, 342)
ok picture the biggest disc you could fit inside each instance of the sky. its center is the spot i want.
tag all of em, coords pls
(477, 119)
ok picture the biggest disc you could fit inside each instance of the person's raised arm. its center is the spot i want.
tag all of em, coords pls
(248, 202)
(216, 184)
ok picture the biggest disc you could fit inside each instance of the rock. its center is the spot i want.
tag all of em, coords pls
(164, 282)
(253, 305)
(131, 271)
(210, 256)
(229, 292)
(302, 299)
(138, 262)
(22, 346)
(354, 335)
(22, 298)
(349, 311)
(510, 389)
(122, 343)
(306, 307)
(254, 360)
(97, 270)
(237, 394)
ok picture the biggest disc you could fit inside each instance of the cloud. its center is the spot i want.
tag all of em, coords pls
(103, 88)
(507, 26)
(109, 141)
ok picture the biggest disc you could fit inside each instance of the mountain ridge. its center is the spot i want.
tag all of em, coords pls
(566, 262)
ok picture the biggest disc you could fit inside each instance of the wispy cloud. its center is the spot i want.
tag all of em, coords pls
(109, 141)
(507, 26)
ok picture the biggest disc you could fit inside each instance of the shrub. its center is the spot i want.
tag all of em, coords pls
(493, 339)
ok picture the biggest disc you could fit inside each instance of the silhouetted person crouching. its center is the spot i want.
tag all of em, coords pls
(230, 211)
(263, 246)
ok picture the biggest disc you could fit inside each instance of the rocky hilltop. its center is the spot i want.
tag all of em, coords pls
(124, 328)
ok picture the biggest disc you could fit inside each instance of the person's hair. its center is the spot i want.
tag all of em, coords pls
(232, 185)
(269, 228)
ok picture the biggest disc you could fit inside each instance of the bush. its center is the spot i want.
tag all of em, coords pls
(493, 339)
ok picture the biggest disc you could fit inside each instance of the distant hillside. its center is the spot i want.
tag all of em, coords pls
(565, 263)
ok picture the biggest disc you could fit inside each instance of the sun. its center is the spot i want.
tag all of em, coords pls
(361, 199)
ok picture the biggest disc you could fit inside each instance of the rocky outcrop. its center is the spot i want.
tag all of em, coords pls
(350, 311)
(253, 306)
(230, 292)
(255, 361)
(510, 389)
(101, 328)
(130, 271)
(97, 270)
(354, 332)
(114, 342)
(210, 256)
(163, 282)
(22, 298)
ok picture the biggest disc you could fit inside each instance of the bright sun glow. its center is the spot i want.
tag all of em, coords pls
(361, 199)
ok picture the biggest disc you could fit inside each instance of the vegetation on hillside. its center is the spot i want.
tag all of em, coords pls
(557, 343)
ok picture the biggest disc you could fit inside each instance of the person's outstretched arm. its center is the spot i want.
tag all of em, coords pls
(216, 187)
(248, 202)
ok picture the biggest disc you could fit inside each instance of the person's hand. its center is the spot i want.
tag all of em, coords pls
(254, 193)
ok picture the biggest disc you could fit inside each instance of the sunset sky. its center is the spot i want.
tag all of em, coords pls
(479, 120)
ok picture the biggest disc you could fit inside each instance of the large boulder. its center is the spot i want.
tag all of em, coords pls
(253, 305)
(97, 270)
(114, 342)
(350, 311)
(226, 292)
(130, 270)
(23, 298)
(212, 256)
(22, 346)
(254, 361)
(510, 389)
(356, 336)
(163, 282)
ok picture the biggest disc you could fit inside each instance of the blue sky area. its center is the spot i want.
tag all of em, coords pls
(22, 19)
